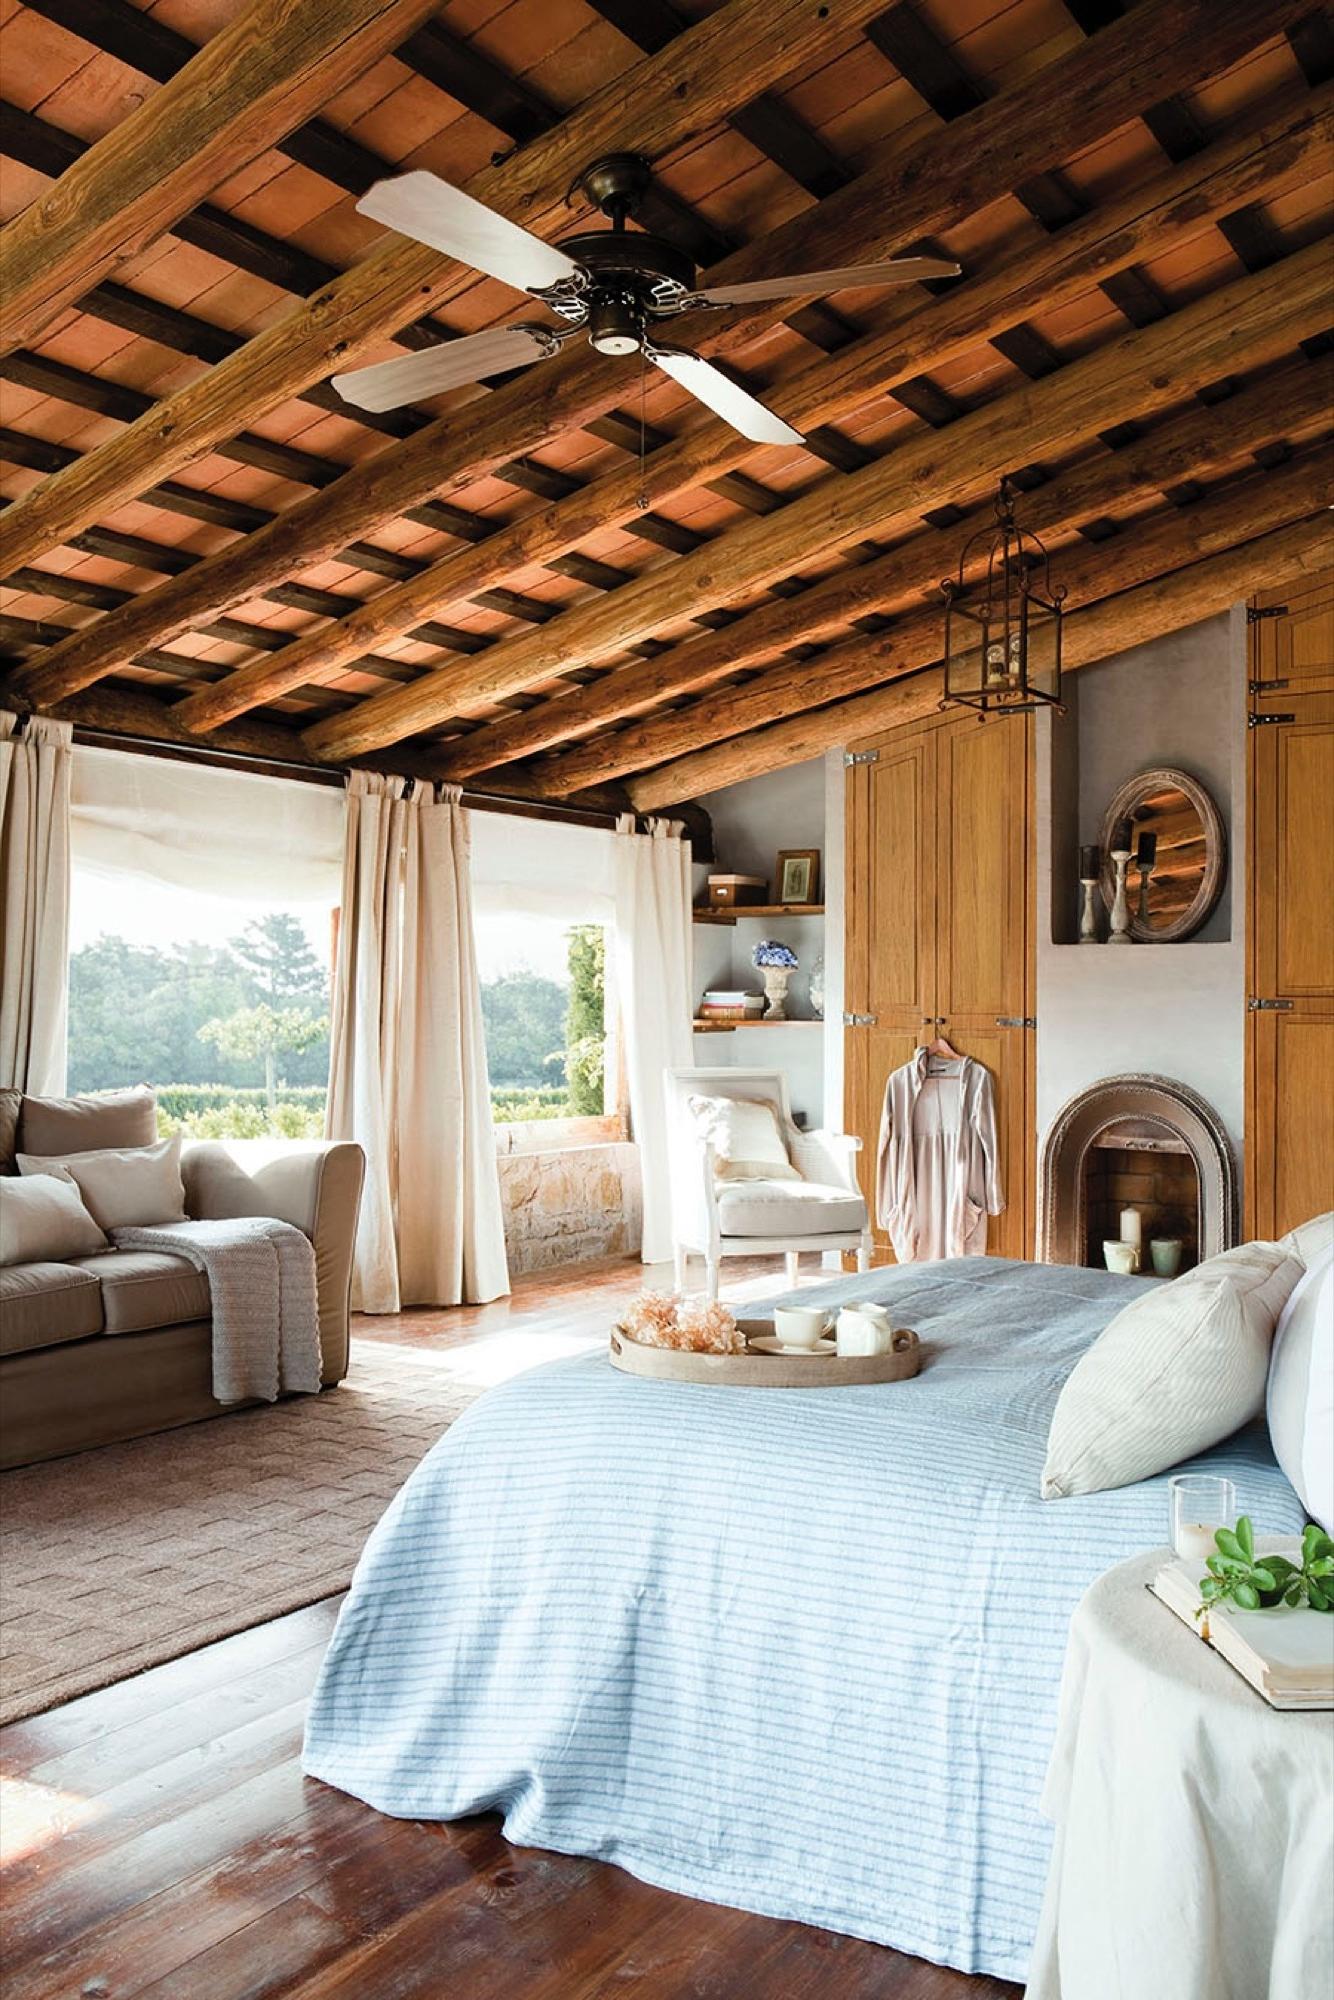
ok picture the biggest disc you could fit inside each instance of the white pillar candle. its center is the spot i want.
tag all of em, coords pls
(1130, 1227)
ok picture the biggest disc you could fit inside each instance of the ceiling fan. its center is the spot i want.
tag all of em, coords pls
(618, 284)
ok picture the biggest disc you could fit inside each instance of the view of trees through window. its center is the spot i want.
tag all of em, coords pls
(232, 1028)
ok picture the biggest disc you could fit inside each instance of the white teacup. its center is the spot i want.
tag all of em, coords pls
(801, 1326)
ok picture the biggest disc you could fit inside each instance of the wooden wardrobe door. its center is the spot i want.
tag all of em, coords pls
(1290, 1045)
(890, 970)
(983, 982)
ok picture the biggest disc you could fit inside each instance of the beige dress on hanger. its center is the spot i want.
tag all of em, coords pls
(937, 1165)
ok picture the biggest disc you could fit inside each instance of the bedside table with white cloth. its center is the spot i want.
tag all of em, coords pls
(1194, 1847)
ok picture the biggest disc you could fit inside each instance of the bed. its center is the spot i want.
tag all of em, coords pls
(794, 1651)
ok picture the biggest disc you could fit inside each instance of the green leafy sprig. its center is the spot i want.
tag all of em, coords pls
(1260, 1583)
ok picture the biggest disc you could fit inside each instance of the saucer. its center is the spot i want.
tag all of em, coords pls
(770, 1344)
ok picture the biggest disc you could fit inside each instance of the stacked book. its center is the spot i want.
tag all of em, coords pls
(1287, 1655)
(725, 1004)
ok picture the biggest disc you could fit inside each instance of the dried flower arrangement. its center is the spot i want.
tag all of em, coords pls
(660, 1319)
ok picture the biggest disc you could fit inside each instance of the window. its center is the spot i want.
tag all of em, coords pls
(543, 984)
(222, 1005)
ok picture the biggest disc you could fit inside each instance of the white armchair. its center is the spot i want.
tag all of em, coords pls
(824, 1210)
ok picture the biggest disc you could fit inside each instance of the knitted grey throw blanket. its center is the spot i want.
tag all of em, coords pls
(261, 1281)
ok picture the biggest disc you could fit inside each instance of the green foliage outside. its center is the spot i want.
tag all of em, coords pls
(236, 1038)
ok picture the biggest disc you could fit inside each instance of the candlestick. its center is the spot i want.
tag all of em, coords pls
(1120, 932)
(1090, 867)
(1145, 854)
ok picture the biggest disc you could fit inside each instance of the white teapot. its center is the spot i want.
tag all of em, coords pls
(864, 1328)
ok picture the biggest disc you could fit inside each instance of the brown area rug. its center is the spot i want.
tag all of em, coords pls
(117, 1559)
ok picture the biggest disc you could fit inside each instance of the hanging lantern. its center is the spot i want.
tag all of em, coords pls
(1003, 628)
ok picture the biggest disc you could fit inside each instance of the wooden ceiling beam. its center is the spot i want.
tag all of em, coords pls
(742, 46)
(920, 187)
(1274, 148)
(1166, 604)
(1247, 323)
(250, 85)
(1193, 445)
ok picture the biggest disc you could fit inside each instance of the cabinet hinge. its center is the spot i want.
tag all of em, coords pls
(1269, 1006)
(1264, 687)
(1269, 721)
(1016, 1021)
(860, 757)
(1255, 613)
(859, 1020)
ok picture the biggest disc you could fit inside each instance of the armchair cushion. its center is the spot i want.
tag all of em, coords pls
(746, 1139)
(789, 1208)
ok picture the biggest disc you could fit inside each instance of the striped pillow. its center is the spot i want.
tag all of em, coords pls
(1300, 1399)
(1179, 1369)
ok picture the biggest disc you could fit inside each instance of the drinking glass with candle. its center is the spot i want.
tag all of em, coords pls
(1201, 1504)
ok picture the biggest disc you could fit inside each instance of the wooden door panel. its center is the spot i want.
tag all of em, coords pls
(982, 828)
(1298, 645)
(1303, 755)
(900, 871)
(1291, 1140)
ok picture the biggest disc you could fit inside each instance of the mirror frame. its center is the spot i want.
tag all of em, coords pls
(1198, 911)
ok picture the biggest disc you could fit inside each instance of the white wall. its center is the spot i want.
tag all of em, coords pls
(1175, 1009)
(751, 822)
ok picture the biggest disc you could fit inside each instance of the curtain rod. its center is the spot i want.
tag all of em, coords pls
(323, 774)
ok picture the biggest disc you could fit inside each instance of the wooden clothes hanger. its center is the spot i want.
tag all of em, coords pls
(942, 1048)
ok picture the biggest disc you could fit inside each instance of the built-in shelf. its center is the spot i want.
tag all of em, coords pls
(729, 914)
(730, 1027)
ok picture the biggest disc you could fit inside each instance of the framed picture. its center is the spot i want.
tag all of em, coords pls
(797, 875)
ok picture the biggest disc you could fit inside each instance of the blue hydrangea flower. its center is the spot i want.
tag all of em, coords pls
(769, 951)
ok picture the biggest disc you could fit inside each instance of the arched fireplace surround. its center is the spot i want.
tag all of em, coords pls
(1148, 1115)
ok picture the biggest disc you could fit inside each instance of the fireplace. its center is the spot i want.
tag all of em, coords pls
(1142, 1142)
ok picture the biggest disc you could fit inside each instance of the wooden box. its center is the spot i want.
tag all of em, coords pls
(731, 891)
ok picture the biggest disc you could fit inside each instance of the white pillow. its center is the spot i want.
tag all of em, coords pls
(122, 1188)
(1300, 1397)
(1180, 1368)
(746, 1139)
(43, 1221)
(1309, 1239)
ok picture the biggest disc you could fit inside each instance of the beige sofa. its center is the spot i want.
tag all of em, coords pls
(116, 1345)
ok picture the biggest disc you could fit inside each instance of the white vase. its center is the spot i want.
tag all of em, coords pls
(775, 991)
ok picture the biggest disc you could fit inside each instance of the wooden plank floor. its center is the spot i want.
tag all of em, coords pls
(160, 1839)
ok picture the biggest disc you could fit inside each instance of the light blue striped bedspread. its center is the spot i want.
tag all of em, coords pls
(795, 1651)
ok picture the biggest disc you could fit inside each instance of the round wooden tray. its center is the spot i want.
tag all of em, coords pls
(753, 1370)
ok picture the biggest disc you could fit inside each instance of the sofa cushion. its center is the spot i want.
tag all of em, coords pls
(122, 1188)
(10, 1104)
(43, 1221)
(789, 1208)
(88, 1124)
(44, 1304)
(142, 1289)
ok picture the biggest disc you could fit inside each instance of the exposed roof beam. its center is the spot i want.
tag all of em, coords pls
(250, 85)
(741, 47)
(921, 186)
(1253, 320)
(1164, 605)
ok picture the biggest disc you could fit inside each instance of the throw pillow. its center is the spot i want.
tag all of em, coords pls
(54, 1126)
(746, 1139)
(1300, 1397)
(122, 1187)
(1309, 1239)
(1178, 1369)
(43, 1221)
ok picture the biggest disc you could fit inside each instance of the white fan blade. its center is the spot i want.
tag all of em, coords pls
(409, 377)
(423, 206)
(726, 398)
(811, 284)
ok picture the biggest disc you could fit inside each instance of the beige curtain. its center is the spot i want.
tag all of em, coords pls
(653, 984)
(36, 756)
(408, 1076)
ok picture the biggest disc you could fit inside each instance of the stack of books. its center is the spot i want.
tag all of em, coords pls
(1286, 1655)
(727, 1005)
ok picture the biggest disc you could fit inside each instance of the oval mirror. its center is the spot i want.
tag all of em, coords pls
(1177, 854)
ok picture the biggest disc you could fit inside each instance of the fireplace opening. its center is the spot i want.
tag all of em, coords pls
(1141, 1142)
(1131, 1166)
